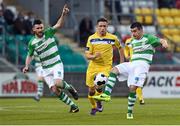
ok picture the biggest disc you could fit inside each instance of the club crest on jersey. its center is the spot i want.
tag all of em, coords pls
(109, 42)
(136, 80)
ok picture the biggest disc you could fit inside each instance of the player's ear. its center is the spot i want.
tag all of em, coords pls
(33, 28)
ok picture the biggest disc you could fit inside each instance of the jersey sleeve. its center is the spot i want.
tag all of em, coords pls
(117, 42)
(49, 32)
(56, 40)
(153, 40)
(88, 46)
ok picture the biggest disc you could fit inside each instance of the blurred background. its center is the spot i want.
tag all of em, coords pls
(159, 17)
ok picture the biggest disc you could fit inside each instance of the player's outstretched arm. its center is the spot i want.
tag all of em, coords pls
(90, 56)
(164, 43)
(121, 53)
(60, 21)
(28, 61)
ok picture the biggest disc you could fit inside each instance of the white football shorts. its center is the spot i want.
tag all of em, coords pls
(134, 72)
(39, 71)
(53, 73)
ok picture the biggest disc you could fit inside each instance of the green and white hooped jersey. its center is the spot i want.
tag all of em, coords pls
(37, 60)
(46, 49)
(144, 48)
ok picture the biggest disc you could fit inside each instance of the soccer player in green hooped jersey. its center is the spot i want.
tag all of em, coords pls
(44, 44)
(135, 72)
(39, 74)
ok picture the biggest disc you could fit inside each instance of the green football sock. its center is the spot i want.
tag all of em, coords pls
(131, 101)
(65, 98)
(40, 88)
(110, 83)
(66, 86)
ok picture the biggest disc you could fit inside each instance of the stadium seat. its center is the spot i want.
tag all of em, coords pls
(146, 11)
(177, 21)
(176, 38)
(74, 62)
(64, 49)
(169, 37)
(137, 11)
(1, 43)
(10, 39)
(161, 21)
(20, 39)
(157, 12)
(139, 19)
(174, 12)
(169, 21)
(165, 31)
(79, 59)
(164, 12)
(148, 20)
(11, 51)
(174, 31)
(28, 37)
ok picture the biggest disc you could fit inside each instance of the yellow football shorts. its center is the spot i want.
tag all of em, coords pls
(92, 71)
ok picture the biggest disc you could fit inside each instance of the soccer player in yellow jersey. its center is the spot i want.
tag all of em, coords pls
(99, 50)
(128, 53)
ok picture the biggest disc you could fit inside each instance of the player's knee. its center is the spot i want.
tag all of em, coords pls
(99, 90)
(114, 70)
(40, 78)
(59, 83)
(55, 90)
(132, 88)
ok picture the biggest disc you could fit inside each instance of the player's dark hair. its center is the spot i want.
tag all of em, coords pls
(102, 20)
(37, 21)
(136, 25)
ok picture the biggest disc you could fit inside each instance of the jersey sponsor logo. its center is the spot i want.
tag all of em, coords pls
(102, 41)
(142, 48)
(44, 44)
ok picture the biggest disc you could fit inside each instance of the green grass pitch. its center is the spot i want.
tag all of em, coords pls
(25, 111)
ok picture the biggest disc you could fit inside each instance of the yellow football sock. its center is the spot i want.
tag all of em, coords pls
(139, 93)
(92, 101)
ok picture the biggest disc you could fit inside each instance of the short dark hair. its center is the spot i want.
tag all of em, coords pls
(136, 24)
(37, 21)
(102, 19)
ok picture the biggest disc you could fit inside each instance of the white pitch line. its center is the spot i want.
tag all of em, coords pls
(11, 108)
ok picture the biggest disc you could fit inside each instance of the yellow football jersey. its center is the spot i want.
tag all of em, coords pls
(128, 49)
(104, 45)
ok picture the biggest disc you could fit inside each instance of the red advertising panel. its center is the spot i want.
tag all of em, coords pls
(17, 84)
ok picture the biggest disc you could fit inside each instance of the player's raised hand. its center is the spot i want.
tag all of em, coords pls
(25, 69)
(65, 9)
(164, 43)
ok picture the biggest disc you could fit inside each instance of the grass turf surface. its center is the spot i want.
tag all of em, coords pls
(26, 111)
